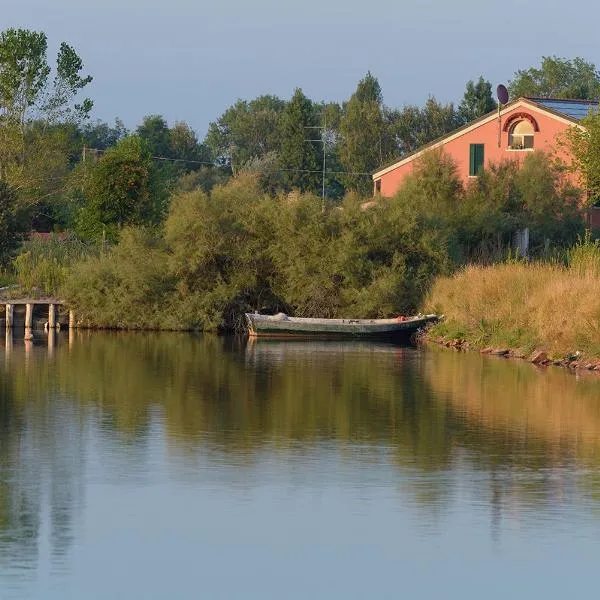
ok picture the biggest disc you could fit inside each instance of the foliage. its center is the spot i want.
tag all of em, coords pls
(299, 156)
(558, 78)
(551, 205)
(43, 263)
(477, 100)
(584, 146)
(239, 249)
(205, 178)
(246, 130)
(37, 116)
(365, 142)
(12, 224)
(413, 127)
(480, 221)
(584, 257)
(120, 189)
(100, 136)
(125, 287)
(521, 305)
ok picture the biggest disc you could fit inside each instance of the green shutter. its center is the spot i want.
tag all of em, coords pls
(476, 159)
(479, 165)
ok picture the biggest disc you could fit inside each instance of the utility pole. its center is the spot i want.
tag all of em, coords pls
(323, 140)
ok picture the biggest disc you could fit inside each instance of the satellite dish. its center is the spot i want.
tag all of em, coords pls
(502, 94)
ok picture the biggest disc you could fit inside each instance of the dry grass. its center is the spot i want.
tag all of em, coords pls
(522, 305)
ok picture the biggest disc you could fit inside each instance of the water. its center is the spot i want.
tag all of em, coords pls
(178, 466)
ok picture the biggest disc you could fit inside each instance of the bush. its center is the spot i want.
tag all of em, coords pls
(43, 263)
(584, 257)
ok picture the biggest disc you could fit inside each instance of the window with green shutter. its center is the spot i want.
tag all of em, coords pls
(475, 159)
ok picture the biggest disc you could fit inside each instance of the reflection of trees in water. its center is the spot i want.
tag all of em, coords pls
(536, 432)
(437, 416)
(41, 463)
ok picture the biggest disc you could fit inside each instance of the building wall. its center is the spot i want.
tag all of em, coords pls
(487, 133)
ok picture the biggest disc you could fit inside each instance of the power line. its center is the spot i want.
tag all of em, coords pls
(211, 163)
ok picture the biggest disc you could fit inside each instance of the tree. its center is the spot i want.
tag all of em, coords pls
(558, 78)
(25, 89)
(550, 202)
(11, 223)
(155, 131)
(177, 146)
(300, 156)
(584, 145)
(477, 101)
(365, 141)
(37, 115)
(246, 130)
(413, 127)
(120, 189)
(100, 136)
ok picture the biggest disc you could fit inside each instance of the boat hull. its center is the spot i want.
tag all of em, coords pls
(284, 327)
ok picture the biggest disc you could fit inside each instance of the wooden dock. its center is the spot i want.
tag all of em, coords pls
(53, 305)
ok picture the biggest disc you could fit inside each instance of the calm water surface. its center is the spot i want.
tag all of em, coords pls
(178, 466)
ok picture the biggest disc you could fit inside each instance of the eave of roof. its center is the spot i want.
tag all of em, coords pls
(472, 125)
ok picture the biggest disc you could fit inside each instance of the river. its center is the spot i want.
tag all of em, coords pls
(151, 466)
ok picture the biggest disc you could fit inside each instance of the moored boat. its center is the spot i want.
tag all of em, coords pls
(283, 326)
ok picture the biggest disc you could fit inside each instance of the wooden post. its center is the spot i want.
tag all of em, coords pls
(9, 316)
(71, 319)
(51, 316)
(28, 321)
(8, 342)
(51, 334)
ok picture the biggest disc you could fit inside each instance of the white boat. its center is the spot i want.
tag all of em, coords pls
(283, 326)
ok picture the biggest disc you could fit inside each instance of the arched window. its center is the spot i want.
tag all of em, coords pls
(520, 135)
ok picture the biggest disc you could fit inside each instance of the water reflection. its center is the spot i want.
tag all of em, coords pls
(438, 428)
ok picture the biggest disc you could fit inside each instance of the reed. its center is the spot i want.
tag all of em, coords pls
(524, 306)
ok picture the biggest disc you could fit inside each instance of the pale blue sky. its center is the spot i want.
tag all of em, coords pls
(191, 59)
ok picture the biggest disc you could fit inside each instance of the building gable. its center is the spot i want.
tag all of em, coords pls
(522, 125)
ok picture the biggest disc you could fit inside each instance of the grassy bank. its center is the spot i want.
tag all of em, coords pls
(524, 306)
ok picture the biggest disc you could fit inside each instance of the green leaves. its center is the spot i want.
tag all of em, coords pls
(477, 101)
(24, 71)
(558, 78)
(119, 190)
(584, 145)
(365, 142)
(25, 91)
(300, 154)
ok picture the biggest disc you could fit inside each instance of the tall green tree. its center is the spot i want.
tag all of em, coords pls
(12, 225)
(120, 189)
(38, 104)
(558, 78)
(26, 91)
(584, 145)
(477, 100)
(365, 141)
(413, 127)
(300, 155)
(155, 131)
(245, 131)
(100, 136)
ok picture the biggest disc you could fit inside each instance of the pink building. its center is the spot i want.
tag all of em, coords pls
(522, 126)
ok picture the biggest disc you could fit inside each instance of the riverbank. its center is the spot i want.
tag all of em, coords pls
(543, 312)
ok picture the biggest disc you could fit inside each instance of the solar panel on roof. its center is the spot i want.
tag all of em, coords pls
(575, 109)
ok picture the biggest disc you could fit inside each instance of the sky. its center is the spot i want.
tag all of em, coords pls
(189, 60)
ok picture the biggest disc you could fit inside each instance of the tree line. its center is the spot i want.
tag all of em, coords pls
(236, 221)
(60, 171)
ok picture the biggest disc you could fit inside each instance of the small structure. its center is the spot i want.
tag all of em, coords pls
(12, 305)
(521, 126)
